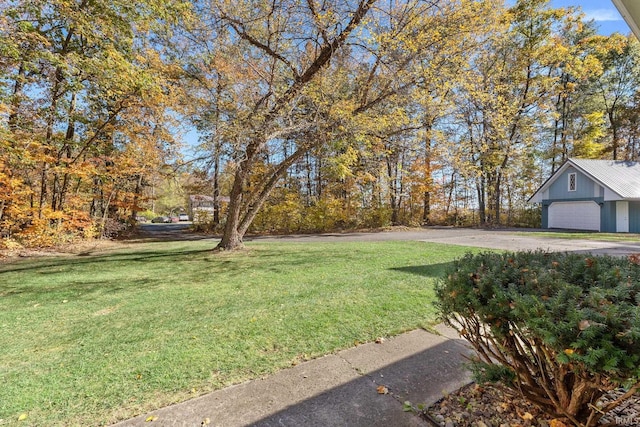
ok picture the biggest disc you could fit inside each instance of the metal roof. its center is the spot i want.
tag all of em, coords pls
(621, 177)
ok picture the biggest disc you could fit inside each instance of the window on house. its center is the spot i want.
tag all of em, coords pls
(572, 182)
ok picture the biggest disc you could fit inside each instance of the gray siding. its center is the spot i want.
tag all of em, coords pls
(634, 217)
(608, 217)
(545, 214)
(559, 190)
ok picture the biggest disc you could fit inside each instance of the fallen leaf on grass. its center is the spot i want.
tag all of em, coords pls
(382, 390)
(22, 417)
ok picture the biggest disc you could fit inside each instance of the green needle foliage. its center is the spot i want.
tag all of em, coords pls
(566, 326)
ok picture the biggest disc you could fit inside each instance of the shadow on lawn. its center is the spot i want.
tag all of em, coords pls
(44, 267)
(77, 289)
(154, 261)
(430, 270)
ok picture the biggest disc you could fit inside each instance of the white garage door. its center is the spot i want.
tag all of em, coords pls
(575, 215)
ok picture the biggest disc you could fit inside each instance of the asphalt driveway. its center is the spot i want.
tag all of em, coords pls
(511, 239)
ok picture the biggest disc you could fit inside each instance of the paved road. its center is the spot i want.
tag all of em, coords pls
(509, 239)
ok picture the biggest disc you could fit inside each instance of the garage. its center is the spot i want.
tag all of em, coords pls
(575, 215)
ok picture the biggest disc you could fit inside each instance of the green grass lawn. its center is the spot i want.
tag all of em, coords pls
(90, 340)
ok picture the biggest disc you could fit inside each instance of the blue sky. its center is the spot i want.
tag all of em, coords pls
(602, 11)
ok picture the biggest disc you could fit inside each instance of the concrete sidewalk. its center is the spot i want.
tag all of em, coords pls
(336, 390)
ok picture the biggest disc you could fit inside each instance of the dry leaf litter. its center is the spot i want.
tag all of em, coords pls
(490, 406)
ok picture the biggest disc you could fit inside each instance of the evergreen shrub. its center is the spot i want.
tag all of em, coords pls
(565, 326)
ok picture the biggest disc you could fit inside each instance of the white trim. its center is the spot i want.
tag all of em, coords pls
(622, 217)
(611, 196)
(575, 182)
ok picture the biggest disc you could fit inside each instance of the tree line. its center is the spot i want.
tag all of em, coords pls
(312, 115)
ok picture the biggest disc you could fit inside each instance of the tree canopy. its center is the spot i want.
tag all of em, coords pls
(311, 115)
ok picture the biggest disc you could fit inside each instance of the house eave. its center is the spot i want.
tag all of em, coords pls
(630, 11)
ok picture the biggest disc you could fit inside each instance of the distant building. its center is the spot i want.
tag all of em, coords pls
(201, 207)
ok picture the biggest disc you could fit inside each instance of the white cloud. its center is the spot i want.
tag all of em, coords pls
(599, 15)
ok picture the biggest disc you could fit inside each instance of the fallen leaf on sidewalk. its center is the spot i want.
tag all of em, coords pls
(382, 390)
(150, 418)
(380, 340)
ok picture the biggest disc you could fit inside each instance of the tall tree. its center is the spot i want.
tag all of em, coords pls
(79, 76)
(283, 46)
(617, 84)
(506, 95)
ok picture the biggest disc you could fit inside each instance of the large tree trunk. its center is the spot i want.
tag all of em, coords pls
(231, 237)
(242, 212)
